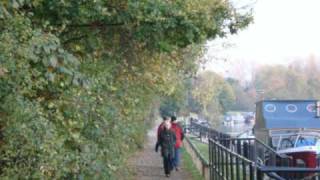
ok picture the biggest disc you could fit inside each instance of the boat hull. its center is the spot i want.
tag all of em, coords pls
(304, 159)
(307, 159)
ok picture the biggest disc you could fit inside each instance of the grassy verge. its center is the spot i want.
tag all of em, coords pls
(202, 148)
(189, 166)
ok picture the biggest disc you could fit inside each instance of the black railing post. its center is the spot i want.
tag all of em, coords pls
(244, 170)
(237, 168)
(245, 150)
(210, 160)
(219, 162)
(255, 159)
(238, 146)
(222, 162)
(252, 151)
(216, 167)
(259, 174)
(232, 166)
(227, 165)
(251, 169)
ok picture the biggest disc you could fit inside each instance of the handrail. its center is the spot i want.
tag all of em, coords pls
(206, 129)
(231, 152)
(240, 134)
(257, 140)
(283, 156)
(267, 169)
(272, 150)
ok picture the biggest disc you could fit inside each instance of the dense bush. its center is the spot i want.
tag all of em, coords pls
(79, 79)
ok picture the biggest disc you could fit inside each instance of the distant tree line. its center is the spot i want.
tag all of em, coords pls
(298, 80)
(210, 95)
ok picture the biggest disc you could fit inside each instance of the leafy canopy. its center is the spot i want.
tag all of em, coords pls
(80, 79)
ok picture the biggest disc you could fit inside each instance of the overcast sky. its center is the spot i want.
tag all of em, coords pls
(283, 30)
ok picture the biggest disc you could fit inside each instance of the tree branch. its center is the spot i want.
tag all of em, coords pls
(74, 39)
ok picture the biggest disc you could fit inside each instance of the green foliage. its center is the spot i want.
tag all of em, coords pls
(244, 96)
(79, 79)
(207, 94)
(213, 94)
(177, 102)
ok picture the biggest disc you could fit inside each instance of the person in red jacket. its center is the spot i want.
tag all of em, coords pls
(179, 138)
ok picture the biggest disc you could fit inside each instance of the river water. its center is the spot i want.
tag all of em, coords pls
(241, 129)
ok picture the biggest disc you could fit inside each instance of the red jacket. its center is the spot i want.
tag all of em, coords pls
(179, 134)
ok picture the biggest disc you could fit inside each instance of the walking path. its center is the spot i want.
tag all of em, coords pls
(147, 164)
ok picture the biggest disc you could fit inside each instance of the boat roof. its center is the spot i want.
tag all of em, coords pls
(287, 114)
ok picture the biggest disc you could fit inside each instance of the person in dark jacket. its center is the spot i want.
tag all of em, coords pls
(179, 138)
(167, 141)
(161, 126)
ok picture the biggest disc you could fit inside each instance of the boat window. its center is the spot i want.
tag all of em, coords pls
(275, 141)
(306, 141)
(287, 142)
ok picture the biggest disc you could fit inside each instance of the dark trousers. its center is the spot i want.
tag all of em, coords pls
(167, 164)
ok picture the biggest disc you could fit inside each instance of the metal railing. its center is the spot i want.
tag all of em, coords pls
(256, 151)
(226, 164)
(247, 158)
(204, 132)
(250, 148)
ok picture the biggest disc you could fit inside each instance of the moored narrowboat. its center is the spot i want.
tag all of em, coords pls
(290, 127)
